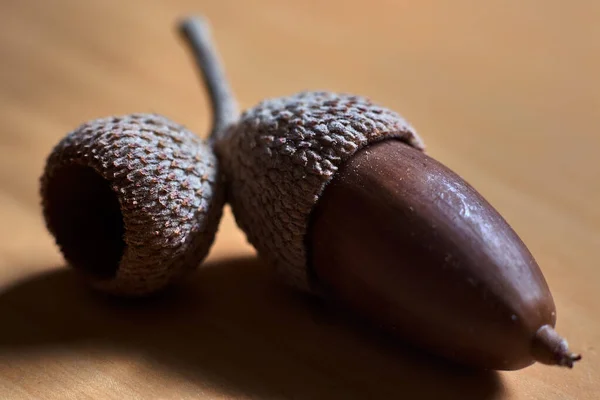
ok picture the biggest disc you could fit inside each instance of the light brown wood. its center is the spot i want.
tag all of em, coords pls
(504, 92)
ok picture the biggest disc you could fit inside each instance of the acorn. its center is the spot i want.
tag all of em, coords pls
(410, 245)
(134, 201)
(337, 194)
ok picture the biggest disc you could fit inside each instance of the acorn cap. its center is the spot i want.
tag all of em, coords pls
(133, 202)
(281, 155)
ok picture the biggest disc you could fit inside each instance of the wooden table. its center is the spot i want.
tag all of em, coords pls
(504, 92)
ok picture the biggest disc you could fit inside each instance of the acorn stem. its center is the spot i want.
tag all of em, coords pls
(196, 33)
(550, 348)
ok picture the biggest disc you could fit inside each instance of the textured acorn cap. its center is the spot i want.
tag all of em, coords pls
(133, 202)
(279, 158)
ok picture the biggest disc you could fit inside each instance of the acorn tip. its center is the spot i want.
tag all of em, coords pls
(551, 349)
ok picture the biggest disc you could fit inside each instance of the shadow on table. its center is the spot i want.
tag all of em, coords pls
(231, 326)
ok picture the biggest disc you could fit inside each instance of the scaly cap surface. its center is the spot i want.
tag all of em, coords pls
(133, 201)
(280, 156)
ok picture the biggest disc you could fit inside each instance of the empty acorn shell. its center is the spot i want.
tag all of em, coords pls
(133, 201)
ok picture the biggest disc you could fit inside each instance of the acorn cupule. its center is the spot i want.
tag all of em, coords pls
(132, 201)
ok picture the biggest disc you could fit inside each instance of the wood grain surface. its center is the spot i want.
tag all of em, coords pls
(504, 92)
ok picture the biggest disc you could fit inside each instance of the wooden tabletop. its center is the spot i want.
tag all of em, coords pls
(506, 93)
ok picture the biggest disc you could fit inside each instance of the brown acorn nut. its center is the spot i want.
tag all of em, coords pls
(411, 246)
(336, 193)
(134, 202)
